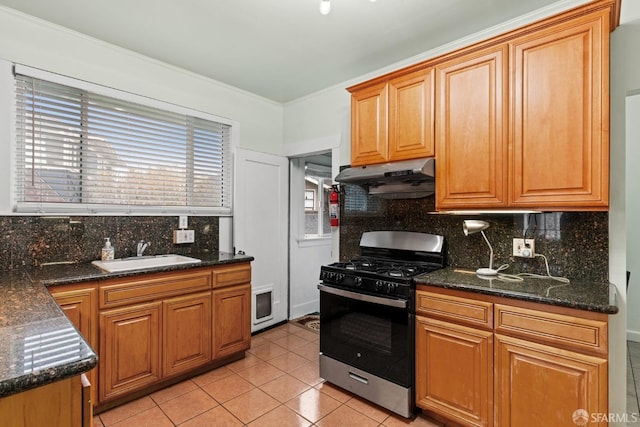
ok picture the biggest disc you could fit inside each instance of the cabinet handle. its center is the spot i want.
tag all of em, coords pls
(356, 377)
(390, 302)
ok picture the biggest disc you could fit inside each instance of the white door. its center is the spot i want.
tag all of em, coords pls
(260, 230)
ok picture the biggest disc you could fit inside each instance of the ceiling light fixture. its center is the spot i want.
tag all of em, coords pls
(472, 226)
(325, 7)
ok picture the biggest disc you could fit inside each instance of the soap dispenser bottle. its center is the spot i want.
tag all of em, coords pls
(107, 250)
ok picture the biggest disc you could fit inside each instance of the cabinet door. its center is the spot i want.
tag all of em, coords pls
(79, 306)
(58, 404)
(454, 371)
(231, 320)
(369, 126)
(538, 385)
(561, 115)
(411, 116)
(471, 130)
(129, 349)
(186, 332)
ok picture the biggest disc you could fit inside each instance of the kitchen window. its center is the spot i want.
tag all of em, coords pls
(79, 150)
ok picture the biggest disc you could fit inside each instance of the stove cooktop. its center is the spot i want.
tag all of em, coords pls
(386, 268)
(391, 279)
(388, 263)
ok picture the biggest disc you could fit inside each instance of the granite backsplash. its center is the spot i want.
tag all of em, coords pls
(576, 244)
(30, 241)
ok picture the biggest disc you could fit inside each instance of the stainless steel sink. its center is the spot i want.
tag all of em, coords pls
(144, 262)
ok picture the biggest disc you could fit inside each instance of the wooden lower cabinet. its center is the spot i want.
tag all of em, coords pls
(64, 403)
(156, 327)
(129, 349)
(539, 385)
(186, 332)
(231, 320)
(79, 305)
(454, 371)
(490, 361)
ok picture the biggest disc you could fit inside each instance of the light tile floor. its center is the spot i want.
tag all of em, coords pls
(276, 384)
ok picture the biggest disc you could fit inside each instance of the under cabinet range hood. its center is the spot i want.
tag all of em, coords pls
(407, 179)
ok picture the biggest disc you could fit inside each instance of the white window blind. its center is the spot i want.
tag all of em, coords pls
(80, 150)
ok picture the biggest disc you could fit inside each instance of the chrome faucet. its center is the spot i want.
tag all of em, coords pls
(142, 245)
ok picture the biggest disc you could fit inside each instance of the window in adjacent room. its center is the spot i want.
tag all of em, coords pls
(317, 188)
(80, 150)
(310, 200)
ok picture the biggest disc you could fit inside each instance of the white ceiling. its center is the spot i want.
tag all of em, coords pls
(279, 49)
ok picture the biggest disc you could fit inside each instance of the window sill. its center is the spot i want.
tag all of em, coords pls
(314, 242)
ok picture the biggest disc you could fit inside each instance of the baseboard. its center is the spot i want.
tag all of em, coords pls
(304, 309)
(633, 336)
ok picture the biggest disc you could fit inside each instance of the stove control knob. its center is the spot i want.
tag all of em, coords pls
(357, 281)
(379, 285)
(391, 287)
(339, 277)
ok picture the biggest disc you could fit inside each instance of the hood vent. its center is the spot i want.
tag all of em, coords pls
(408, 179)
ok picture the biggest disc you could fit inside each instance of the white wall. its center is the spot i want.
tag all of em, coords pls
(632, 137)
(625, 80)
(30, 41)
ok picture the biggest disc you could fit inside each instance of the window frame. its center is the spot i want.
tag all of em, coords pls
(319, 204)
(101, 209)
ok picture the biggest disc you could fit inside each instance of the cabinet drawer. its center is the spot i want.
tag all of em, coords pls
(134, 290)
(235, 274)
(558, 329)
(469, 311)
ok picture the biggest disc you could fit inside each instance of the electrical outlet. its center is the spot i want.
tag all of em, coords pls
(524, 248)
(184, 236)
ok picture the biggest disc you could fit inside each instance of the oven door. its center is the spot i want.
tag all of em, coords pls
(371, 333)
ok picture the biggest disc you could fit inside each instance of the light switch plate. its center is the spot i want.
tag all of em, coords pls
(183, 222)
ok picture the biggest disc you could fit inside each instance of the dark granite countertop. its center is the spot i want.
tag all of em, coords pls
(38, 344)
(582, 295)
(31, 322)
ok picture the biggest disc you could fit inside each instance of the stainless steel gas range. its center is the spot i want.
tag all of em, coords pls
(367, 316)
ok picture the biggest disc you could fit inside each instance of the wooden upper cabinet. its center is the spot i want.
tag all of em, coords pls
(521, 120)
(471, 130)
(369, 125)
(411, 116)
(393, 120)
(561, 115)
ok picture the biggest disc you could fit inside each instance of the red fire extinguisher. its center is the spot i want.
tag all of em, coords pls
(334, 202)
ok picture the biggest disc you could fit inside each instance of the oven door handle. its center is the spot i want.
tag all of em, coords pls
(390, 302)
